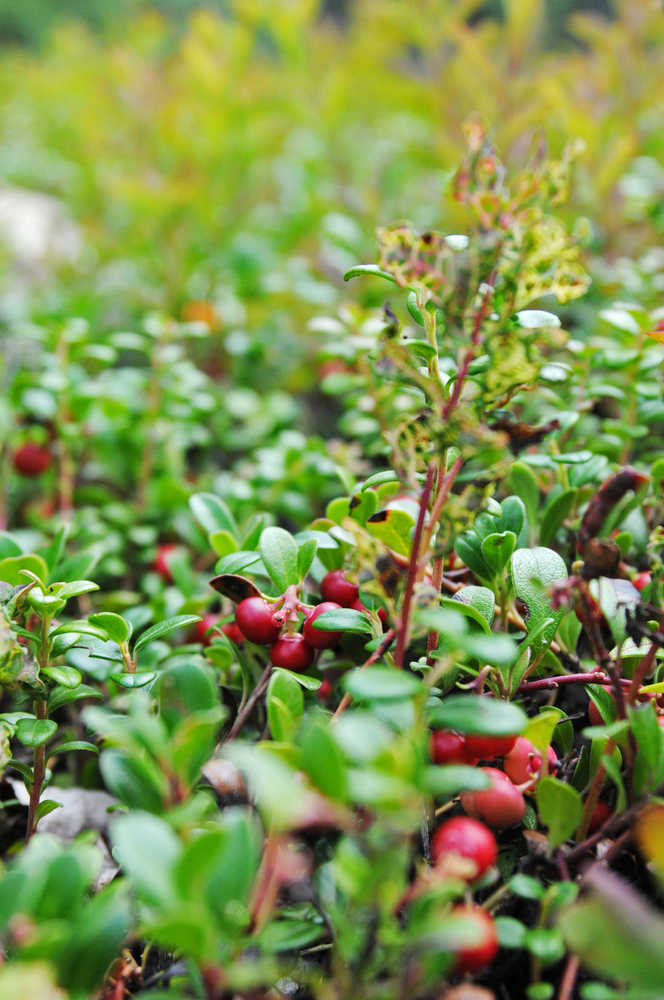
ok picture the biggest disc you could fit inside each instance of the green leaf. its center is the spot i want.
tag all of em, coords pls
(522, 480)
(471, 713)
(147, 848)
(480, 600)
(448, 780)
(115, 627)
(212, 513)
(322, 760)
(371, 269)
(343, 620)
(526, 886)
(161, 629)
(12, 566)
(545, 943)
(555, 513)
(35, 732)
(533, 572)
(76, 588)
(497, 548)
(70, 745)
(68, 677)
(305, 556)
(138, 679)
(560, 807)
(285, 705)
(135, 781)
(381, 684)
(392, 527)
(278, 549)
(45, 807)
(511, 932)
(223, 543)
(186, 687)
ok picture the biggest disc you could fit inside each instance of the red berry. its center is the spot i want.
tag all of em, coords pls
(316, 637)
(601, 813)
(200, 631)
(489, 747)
(31, 459)
(162, 561)
(642, 580)
(325, 689)
(335, 587)
(232, 632)
(255, 619)
(478, 939)
(524, 762)
(500, 806)
(292, 652)
(468, 838)
(449, 747)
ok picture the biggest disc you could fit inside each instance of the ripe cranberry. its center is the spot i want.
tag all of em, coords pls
(292, 652)
(468, 838)
(316, 637)
(325, 689)
(601, 813)
(489, 747)
(642, 580)
(482, 946)
(161, 563)
(335, 587)
(31, 459)
(449, 747)
(502, 805)
(200, 631)
(232, 632)
(255, 619)
(524, 762)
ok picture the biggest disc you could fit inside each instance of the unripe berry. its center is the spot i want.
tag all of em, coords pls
(500, 806)
(482, 946)
(470, 839)
(31, 459)
(335, 587)
(255, 619)
(489, 747)
(162, 561)
(319, 638)
(292, 652)
(449, 747)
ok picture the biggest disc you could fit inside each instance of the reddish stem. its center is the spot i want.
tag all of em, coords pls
(375, 656)
(592, 677)
(480, 316)
(413, 567)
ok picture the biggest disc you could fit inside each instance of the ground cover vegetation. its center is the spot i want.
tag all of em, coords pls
(331, 577)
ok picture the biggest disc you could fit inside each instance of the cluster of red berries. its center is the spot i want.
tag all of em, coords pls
(502, 804)
(466, 841)
(259, 621)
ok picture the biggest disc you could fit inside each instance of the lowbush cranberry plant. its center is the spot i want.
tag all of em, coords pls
(411, 743)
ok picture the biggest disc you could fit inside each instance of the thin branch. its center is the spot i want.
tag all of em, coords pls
(411, 578)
